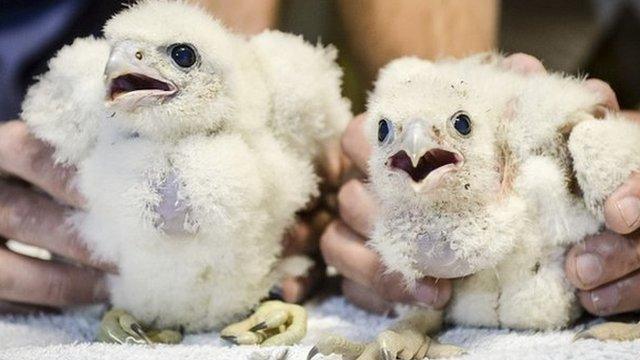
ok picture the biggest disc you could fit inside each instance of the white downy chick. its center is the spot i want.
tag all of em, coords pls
(486, 175)
(202, 151)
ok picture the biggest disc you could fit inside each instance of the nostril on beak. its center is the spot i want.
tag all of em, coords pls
(139, 55)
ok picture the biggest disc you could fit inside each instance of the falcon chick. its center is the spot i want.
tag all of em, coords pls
(195, 147)
(487, 176)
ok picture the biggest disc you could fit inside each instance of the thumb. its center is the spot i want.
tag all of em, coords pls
(622, 208)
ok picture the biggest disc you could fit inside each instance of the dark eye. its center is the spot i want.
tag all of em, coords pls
(184, 55)
(462, 123)
(385, 131)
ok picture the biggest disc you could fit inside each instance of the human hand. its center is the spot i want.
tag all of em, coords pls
(605, 267)
(30, 215)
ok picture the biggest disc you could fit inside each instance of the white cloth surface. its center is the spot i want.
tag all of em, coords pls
(68, 337)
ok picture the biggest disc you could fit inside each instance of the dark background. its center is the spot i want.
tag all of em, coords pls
(600, 38)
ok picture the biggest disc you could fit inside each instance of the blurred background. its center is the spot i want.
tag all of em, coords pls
(599, 38)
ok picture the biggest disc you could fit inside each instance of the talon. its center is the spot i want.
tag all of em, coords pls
(131, 326)
(258, 327)
(312, 353)
(230, 338)
(138, 330)
(385, 354)
(284, 354)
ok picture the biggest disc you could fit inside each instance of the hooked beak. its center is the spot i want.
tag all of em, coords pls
(424, 160)
(130, 82)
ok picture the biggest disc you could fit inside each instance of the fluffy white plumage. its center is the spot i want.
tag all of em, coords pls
(500, 204)
(190, 191)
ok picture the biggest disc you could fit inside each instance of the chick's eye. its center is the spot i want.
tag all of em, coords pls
(183, 55)
(385, 131)
(462, 124)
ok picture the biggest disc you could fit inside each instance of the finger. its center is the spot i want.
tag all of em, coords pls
(304, 236)
(7, 307)
(607, 96)
(631, 115)
(357, 207)
(615, 298)
(297, 289)
(355, 144)
(346, 251)
(331, 164)
(37, 220)
(622, 208)
(601, 259)
(28, 158)
(33, 281)
(524, 64)
(297, 239)
(365, 298)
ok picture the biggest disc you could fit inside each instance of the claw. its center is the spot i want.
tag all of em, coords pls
(230, 338)
(385, 354)
(138, 330)
(284, 354)
(312, 353)
(260, 326)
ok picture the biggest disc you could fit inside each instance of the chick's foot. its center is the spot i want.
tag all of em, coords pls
(611, 331)
(120, 327)
(274, 323)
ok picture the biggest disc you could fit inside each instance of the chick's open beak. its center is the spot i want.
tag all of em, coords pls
(422, 158)
(130, 81)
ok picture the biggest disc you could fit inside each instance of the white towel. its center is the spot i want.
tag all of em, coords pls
(69, 336)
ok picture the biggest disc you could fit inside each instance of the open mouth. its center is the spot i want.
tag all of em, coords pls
(431, 161)
(129, 83)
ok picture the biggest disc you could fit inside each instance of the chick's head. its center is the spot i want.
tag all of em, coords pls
(433, 135)
(169, 70)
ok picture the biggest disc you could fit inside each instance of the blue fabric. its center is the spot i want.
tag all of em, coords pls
(31, 31)
(24, 33)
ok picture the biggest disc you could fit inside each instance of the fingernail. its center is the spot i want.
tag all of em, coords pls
(426, 295)
(629, 208)
(588, 268)
(605, 300)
